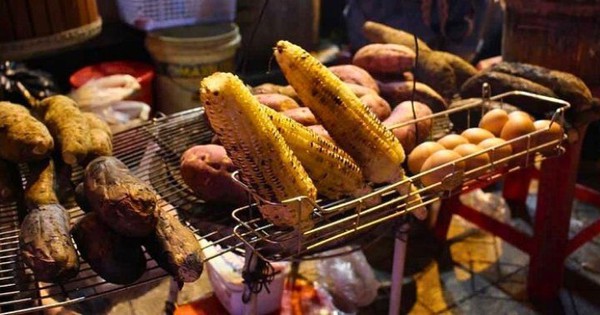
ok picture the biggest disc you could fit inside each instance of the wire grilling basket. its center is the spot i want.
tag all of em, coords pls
(152, 151)
(342, 221)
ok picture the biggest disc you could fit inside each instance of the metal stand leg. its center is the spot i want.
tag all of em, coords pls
(250, 260)
(398, 270)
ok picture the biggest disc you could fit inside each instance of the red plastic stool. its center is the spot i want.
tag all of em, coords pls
(549, 245)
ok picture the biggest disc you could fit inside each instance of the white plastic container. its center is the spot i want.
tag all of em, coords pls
(224, 273)
(156, 14)
(185, 55)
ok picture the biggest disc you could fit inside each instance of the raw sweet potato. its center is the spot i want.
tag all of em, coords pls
(302, 115)
(380, 33)
(379, 106)
(321, 131)
(360, 90)
(400, 91)
(410, 135)
(22, 137)
(123, 201)
(384, 58)
(115, 258)
(278, 102)
(354, 74)
(206, 169)
(175, 248)
(67, 125)
(269, 88)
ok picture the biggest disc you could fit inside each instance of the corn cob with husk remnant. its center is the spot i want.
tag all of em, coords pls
(333, 171)
(350, 123)
(267, 164)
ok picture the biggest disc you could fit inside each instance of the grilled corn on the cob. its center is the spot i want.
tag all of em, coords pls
(267, 164)
(353, 127)
(333, 171)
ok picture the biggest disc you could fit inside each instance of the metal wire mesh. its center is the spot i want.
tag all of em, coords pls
(152, 152)
(336, 223)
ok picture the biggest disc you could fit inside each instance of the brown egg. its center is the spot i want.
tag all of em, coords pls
(481, 160)
(476, 135)
(451, 141)
(502, 151)
(494, 120)
(520, 113)
(517, 126)
(553, 132)
(439, 158)
(419, 154)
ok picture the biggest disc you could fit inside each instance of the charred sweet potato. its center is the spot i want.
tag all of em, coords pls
(123, 201)
(207, 169)
(44, 238)
(175, 248)
(115, 258)
(46, 245)
(22, 137)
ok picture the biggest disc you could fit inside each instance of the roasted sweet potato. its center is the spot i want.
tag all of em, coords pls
(379, 106)
(462, 69)
(123, 201)
(302, 115)
(67, 125)
(115, 258)
(175, 248)
(100, 137)
(354, 74)
(207, 169)
(22, 137)
(278, 102)
(399, 91)
(411, 135)
(384, 58)
(566, 86)
(46, 244)
(433, 70)
(40, 184)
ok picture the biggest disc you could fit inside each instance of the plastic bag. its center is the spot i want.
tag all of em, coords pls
(491, 204)
(348, 278)
(107, 97)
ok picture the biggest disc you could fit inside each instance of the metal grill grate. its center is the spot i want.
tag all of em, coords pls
(152, 152)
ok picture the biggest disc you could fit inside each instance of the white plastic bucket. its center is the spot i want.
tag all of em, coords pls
(185, 55)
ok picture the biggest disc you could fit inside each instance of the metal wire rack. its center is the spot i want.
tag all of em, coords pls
(152, 151)
(338, 222)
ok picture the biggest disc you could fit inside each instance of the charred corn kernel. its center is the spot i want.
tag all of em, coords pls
(350, 123)
(267, 164)
(333, 171)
